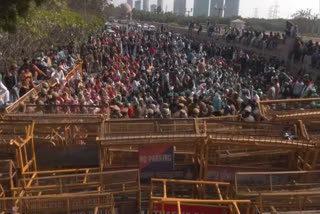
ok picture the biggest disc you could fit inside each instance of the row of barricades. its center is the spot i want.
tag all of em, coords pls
(290, 109)
(123, 132)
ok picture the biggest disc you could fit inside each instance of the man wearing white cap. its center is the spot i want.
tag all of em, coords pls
(247, 117)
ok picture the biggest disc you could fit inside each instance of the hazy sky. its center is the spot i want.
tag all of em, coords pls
(247, 7)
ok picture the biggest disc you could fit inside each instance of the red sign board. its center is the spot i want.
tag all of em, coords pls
(189, 209)
(156, 158)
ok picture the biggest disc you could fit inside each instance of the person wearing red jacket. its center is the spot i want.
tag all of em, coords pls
(130, 110)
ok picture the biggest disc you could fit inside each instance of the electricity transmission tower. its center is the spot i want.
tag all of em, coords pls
(270, 15)
(274, 11)
(256, 13)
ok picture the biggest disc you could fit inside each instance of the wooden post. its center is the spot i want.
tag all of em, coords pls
(112, 205)
(219, 192)
(315, 158)
(101, 162)
(68, 206)
(60, 185)
(206, 163)
(201, 161)
(164, 189)
(236, 183)
(151, 206)
(236, 208)
(151, 195)
(228, 192)
(179, 207)
(162, 208)
(139, 192)
(21, 160)
(248, 208)
(25, 156)
(196, 126)
(260, 203)
(254, 209)
(35, 169)
(299, 203)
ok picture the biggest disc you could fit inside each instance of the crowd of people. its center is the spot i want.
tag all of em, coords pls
(301, 49)
(17, 81)
(271, 40)
(258, 39)
(153, 74)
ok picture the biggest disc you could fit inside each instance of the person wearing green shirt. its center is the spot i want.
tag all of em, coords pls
(217, 104)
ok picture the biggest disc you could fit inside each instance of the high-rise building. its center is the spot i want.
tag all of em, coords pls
(231, 8)
(160, 3)
(201, 8)
(217, 8)
(146, 5)
(130, 2)
(137, 5)
(153, 8)
(179, 7)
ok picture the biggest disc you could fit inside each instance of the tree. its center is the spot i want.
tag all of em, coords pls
(89, 6)
(303, 14)
(125, 9)
(307, 22)
(47, 26)
(159, 9)
(11, 10)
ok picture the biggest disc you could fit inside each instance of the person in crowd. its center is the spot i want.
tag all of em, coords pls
(26, 80)
(4, 93)
(10, 81)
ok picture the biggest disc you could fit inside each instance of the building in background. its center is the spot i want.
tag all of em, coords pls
(201, 8)
(231, 8)
(160, 3)
(179, 7)
(216, 8)
(146, 5)
(130, 2)
(137, 5)
(153, 8)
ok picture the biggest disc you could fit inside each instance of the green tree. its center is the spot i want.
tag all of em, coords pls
(307, 22)
(89, 6)
(47, 26)
(11, 10)
(159, 9)
(303, 14)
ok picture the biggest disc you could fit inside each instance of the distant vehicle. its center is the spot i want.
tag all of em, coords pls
(152, 27)
(115, 27)
(138, 25)
(145, 27)
(123, 21)
(111, 19)
(108, 26)
(110, 31)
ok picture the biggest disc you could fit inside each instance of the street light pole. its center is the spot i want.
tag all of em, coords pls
(189, 11)
(220, 10)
